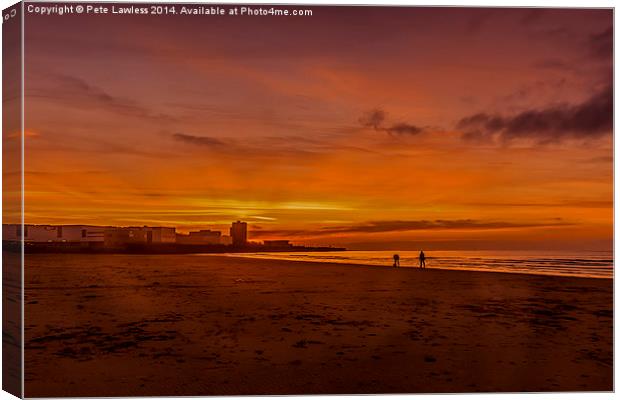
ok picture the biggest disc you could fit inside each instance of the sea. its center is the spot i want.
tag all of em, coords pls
(593, 264)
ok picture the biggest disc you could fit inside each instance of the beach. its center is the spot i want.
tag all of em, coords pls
(125, 325)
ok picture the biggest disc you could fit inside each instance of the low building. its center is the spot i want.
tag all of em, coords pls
(54, 233)
(160, 234)
(116, 237)
(109, 236)
(202, 237)
(11, 232)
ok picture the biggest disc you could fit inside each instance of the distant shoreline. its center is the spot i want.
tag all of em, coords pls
(160, 248)
(239, 255)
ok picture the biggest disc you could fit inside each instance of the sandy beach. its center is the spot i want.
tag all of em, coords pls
(121, 325)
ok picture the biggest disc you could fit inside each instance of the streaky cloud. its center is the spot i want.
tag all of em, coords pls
(198, 140)
(400, 226)
(78, 92)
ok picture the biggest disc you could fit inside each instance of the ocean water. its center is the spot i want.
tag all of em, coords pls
(584, 264)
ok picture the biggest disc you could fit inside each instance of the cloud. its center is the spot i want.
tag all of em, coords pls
(394, 226)
(79, 93)
(401, 226)
(198, 140)
(404, 129)
(294, 147)
(376, 119)
(373, 119)
(268, 233)
(590, 119)
(567, 203)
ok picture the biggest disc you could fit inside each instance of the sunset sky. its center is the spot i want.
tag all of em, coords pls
(358, 126)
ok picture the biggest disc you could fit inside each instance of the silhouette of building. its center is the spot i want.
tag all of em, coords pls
(53, 233)
(88, 235)
(204, 236)
(239, 233)
(116, 237)
(149, 235)
(225, 239)
(139, 235)
(71, 238)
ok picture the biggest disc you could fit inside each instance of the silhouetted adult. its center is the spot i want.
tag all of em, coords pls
(422, 259)
(396, 260)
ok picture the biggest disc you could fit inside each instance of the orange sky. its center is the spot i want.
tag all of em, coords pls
(368, 127)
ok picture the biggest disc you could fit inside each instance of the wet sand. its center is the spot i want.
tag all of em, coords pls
(120, 325)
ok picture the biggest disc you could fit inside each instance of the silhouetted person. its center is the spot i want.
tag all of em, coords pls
(422, 259)
(396, 260)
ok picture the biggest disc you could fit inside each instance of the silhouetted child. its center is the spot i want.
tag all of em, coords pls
(396, 260)
(422, 259)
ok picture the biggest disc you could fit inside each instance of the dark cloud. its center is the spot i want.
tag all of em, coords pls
(404, 129)
(395, 226)
(373, 119)
(400, 226)
(590, 119)
(377, 119)
(198, 140)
